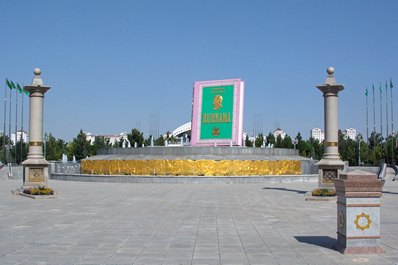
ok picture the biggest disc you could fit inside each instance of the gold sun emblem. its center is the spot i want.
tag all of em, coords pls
(341, 219)
(361, 219)
(217, 102)
(215, 131)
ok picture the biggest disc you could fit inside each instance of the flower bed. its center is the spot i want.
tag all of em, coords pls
(323, 193)
(41, 190)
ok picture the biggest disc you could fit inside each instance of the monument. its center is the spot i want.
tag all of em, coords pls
(217, 113)
(330, 166)
(35, 167)
(215, 149)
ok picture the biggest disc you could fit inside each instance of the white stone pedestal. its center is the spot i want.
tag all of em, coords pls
(358, 213)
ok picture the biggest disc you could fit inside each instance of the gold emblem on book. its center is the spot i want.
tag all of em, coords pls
(215, 131)
(217, 102)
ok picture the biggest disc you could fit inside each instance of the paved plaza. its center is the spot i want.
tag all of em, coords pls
(127, 223)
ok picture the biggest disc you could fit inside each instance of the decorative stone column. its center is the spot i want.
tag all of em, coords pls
(330, 166)
(35, 172)
(358, 213)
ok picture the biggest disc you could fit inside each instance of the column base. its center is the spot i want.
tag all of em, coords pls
(35, 172)
(328, 171)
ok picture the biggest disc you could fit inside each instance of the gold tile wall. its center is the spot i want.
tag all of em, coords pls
(192, 167)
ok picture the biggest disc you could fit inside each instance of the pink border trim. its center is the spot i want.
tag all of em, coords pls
(237, 122)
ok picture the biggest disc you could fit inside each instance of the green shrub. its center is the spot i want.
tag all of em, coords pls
(324, 192)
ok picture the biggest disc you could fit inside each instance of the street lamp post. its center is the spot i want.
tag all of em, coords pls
(359, 149)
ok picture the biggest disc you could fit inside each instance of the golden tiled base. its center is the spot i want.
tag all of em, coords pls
(192, 167)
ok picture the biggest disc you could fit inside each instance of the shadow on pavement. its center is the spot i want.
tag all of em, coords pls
(389, 192)
(284, 189)
(322, 241)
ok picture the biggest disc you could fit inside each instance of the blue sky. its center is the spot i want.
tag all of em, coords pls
(112, 65)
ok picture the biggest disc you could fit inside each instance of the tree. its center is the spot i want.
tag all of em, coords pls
(278, 142)
(317, 148)
(391, 149)
(259, 140)
(270, 139)
(364, 153)
(100, 142)
(16, 152)
(248, 143)
(375, 139)
(54, 148)
(375, 148)
(160, 141)
(171, 139)
(287, 142)
(136, 137)
(80, 147)
(4, 160)
(147, 141)
(300, 143)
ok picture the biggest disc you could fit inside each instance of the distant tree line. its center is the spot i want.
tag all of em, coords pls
(370, 152)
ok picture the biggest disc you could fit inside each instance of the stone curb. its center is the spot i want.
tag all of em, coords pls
(35, 197)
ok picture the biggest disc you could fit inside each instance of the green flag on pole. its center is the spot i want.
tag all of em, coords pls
(381, 89)
(8, 84)
(12, 84)
(391, 86)
(366, 92)
(20, 90)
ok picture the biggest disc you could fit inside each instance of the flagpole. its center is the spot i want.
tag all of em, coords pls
(367, 127)
(392, 112)
(387, 108)
(392, 123)
(387, 122)
(22, 126)
(381, 120)
(16, 123)
(5, 122)
(9, 128)
(381, 112)
(374, 124)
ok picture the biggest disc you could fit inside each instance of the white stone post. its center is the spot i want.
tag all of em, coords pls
(331, 165)
(36, 166)
(358, 213)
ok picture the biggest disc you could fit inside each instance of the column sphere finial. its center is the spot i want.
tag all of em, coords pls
(37, 71)
(330, 70)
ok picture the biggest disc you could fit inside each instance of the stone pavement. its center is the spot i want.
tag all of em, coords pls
(116, 223)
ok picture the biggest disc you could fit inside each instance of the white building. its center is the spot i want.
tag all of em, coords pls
(318, 134)
(183, 130)
(280, 132)
(113, 138)
(19, 133)
(90, 137)
(350, 133)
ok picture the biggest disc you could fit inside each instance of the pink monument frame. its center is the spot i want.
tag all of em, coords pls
(237, 121)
